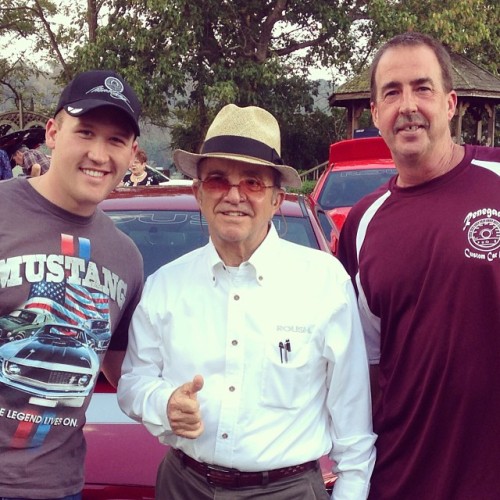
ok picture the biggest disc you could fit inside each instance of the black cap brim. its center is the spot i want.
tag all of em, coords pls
(79, 108)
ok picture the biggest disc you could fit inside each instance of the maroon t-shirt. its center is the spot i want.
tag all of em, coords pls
(429, 290)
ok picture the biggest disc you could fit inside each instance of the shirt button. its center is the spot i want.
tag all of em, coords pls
(236, 297)
(232, 388)
(234, 342)
(260, 278)
(224, 436)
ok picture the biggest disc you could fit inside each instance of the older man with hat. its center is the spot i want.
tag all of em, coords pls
(64, 262)
(246, 356)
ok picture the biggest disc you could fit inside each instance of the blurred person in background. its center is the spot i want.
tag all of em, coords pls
(139, 175)
(33, 162)
(5, 166)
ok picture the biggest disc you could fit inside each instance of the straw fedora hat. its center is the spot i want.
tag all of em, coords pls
(250, 135)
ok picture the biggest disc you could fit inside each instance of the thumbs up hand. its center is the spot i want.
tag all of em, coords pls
(183, 409)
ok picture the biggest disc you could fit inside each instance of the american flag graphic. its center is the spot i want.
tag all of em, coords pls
(70, 303)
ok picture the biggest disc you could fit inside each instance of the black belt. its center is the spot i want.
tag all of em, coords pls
(233, 478)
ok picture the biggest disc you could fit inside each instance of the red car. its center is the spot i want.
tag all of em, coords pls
(164, 221)
(356, 167)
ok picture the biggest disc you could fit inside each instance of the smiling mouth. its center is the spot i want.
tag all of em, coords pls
(234, 214)
(412, 128)
(93, 173)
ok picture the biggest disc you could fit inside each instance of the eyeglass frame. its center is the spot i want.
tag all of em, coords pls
(241, 186)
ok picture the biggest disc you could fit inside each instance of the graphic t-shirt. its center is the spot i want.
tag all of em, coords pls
(68, 287)
(429, 293)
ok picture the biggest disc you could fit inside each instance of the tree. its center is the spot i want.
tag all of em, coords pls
(467, 27)
(187, 59)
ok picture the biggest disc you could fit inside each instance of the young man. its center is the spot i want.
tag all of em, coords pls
(63, 263)
(424, 253)
(249, 379)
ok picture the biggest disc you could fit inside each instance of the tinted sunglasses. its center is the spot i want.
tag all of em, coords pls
(220, 185)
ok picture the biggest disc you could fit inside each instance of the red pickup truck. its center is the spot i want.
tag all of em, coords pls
(355, 168)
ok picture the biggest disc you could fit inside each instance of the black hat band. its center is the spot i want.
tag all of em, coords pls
(235, 144)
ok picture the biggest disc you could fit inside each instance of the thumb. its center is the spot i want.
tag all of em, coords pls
(195, 386)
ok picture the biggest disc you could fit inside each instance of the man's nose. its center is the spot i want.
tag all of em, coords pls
(234, 193)
(408, 102)
(98, 152)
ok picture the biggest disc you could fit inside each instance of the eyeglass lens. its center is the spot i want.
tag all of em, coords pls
(221, 184)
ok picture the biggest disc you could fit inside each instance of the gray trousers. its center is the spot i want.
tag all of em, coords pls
(175, 481)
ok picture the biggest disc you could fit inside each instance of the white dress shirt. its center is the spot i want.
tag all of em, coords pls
(263, 406)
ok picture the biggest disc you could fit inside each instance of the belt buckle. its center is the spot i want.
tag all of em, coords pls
(232, 475)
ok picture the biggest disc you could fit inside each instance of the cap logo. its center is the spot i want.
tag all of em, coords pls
(114, 88)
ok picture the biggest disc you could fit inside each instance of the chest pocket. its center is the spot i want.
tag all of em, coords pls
(286, 371)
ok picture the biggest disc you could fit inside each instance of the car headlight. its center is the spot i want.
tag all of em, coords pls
(83, 380)
(12, 369)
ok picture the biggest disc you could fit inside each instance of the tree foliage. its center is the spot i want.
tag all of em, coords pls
(467, 27)
(193, 57)
(187, 59)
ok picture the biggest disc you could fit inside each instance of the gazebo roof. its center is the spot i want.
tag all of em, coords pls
(469, 80)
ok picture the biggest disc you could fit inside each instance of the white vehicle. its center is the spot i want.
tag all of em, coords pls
(165, 180)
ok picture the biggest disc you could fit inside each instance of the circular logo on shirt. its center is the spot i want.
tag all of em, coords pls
(484, 234)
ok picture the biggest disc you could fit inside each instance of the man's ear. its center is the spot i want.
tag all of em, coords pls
(196, 189)
(374, 111)
(452, 104)
(135, 147)
(278, 198)
(51, 130)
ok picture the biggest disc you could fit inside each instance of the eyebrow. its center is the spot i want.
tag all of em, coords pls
(114, 129)
(413, 83)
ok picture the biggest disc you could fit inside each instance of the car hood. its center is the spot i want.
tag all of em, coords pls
(9, 322)
(49, 350)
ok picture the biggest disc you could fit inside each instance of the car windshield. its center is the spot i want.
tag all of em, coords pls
(344, 188)
(164, 235)
(27, 316)
(64, 331)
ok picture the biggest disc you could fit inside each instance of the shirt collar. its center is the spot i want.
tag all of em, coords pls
(261, 260)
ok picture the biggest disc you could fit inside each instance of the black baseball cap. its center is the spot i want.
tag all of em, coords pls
(96, 88)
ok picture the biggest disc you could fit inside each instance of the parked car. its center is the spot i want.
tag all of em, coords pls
(165, 222)
(54, 366)
(30, 137)
(122, 456)
(98, 334)
(164, 180)
(21, 323)
(355, 168)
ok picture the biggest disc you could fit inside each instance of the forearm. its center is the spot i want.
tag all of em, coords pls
(350, 407)
(112, 366)
(142, 393)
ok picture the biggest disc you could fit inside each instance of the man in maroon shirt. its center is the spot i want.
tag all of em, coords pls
(424, 252)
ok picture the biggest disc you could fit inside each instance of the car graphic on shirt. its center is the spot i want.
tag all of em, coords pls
(55, 366)
(22, 323)
(98, 334)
